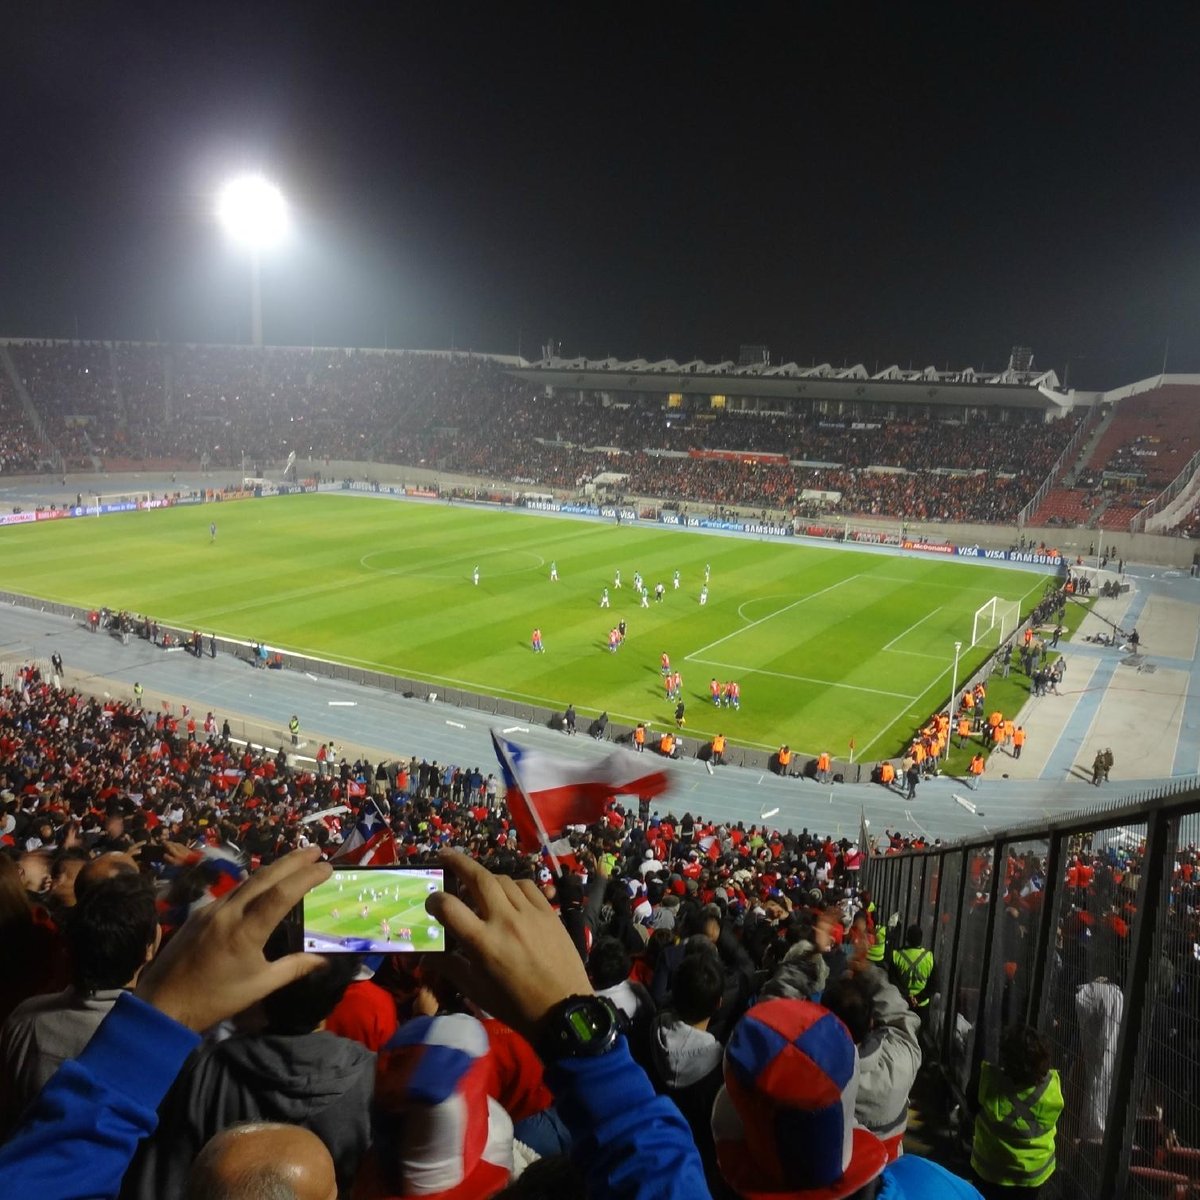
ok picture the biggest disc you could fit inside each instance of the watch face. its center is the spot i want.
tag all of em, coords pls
(585, 1023)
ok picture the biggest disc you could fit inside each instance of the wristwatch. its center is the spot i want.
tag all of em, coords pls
(577, 1027)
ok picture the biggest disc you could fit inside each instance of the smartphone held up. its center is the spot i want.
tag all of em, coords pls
(373, 910)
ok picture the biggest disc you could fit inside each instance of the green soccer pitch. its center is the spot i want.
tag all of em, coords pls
(334, 911)
(828, 644)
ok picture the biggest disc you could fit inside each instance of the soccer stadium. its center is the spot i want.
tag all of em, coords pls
(440, 772)
(210, 579)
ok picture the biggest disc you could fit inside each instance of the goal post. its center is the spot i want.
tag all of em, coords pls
(995, 621)
(141, 499)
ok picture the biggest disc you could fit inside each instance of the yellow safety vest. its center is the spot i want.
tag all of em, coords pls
(877, 945)
(1014, 1131)
(914, 965)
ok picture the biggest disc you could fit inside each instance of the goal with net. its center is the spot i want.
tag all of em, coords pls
(116, 501)
(995, 621)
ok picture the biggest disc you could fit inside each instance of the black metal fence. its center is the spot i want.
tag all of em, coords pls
(1087, 927)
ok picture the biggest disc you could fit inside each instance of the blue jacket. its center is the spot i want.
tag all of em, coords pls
(912, 1178)
(80, 1134)
(627, 1141)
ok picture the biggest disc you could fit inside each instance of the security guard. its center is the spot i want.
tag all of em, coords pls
(913, 969)
(294, 728)
(877, 946)
(1020, 1101)
(137, 694)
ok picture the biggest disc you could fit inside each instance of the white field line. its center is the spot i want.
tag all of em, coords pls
(901, 636)
(852, 687)
(860, 752)
(694, 656)
(863, 751)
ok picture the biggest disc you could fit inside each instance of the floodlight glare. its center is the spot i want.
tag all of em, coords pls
(253, 211)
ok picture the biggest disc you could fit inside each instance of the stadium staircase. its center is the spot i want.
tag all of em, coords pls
(118, 391)
(1064, 504)
(1085, 454)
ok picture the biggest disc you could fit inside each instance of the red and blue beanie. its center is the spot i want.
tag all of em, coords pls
(784, 1121)
(439, 1133)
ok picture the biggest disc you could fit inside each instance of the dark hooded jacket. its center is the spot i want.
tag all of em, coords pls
(317, 1080)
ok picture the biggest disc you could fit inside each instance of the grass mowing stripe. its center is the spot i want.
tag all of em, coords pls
(803, 628)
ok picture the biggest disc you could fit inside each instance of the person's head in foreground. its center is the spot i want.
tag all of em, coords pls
(784, 1121)
(263, 1160)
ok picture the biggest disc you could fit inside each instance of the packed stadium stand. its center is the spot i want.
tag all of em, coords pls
(131, 406)
(19, 444)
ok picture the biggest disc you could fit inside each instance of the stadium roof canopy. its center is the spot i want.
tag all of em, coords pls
(893, 385)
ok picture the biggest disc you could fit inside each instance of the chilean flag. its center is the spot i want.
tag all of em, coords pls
(546, 792)
(370, 844)
(368, 826)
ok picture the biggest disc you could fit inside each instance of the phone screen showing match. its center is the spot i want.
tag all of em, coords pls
(378, 910)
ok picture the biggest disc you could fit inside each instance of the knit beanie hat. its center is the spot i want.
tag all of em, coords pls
(783, 1124)
(441, 1135)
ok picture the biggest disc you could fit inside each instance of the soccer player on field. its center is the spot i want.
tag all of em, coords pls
(665, 664)
(645, 594)
(659, 591)
(617, 578)
(554, 572)
(613, 641)
(621, 629)
(677, 685)
(536, 639)
(475, 576)
(637, 581)
(675, 581)
(212, 531)
(704, 595)
(604, 598)
(707, 572)
(714, 690)
(735, 694)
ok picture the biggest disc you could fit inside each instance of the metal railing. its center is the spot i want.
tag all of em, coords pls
(1088, 928)
(1166, 496)
(1070, 448)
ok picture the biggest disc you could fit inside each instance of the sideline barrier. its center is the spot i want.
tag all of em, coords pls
(620, 732)
(1099, 955)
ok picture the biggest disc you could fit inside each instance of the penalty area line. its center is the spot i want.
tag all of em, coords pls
(693, 657)
(901, 636)
(853, 687)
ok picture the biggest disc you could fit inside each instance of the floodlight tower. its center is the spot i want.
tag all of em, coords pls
(253, 212)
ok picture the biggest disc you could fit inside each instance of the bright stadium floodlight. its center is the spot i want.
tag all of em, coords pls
(253, 212)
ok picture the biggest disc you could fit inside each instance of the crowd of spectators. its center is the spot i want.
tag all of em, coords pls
(1089, 972)
(19, 450)
(139, 406)
(121, 830)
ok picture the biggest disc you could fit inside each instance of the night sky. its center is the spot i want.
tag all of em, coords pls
(876, 183)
